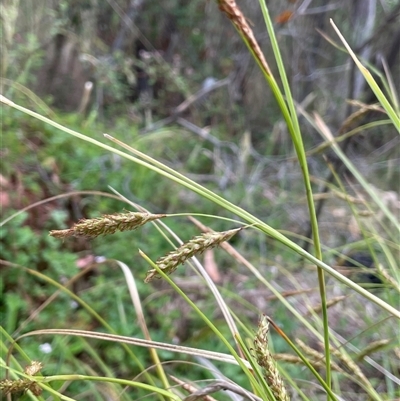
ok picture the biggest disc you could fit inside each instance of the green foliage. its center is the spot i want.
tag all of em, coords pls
(25, 57)
(58, 262)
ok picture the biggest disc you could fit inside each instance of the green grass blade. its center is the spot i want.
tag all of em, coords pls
(371, 82)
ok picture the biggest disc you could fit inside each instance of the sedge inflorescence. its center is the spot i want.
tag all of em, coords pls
(267, 362)
(107, 224)
(196, 245)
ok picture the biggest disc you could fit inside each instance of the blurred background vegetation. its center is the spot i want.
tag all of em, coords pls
(174, 80)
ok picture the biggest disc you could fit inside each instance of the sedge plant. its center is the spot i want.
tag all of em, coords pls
(264, 376)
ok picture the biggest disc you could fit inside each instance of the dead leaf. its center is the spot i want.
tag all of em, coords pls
(211, 267)
(284, 17)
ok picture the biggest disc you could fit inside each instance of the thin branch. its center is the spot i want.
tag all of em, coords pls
(200, 94)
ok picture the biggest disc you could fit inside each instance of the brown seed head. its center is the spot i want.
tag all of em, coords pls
(233, 12)
(107, 224)
(195, 246)
(267, 362)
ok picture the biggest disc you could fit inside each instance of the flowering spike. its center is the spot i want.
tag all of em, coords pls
(196, 245)
(107, 224)
(266, 361)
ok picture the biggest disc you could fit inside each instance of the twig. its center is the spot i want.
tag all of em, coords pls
(219, 385)
(185, 105)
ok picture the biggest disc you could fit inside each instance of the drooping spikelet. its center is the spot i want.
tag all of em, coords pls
(107, 224)
(266, 361)
(317, 364)
(317, 359)
(350, 365)
(195, 246)
(330, 303)
(373, 347)
(387, 277)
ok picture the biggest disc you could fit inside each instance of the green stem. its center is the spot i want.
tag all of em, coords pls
(289, 112)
